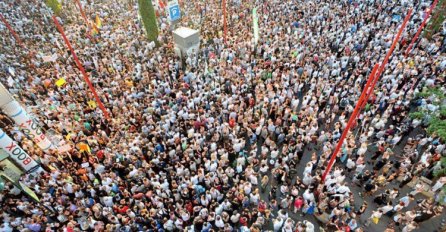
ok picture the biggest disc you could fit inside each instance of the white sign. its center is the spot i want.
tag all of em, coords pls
(52, 58)
(174, 11)
(27, 125)
(16, 152)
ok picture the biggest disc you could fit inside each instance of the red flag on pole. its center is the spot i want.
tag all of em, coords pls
(349, 124)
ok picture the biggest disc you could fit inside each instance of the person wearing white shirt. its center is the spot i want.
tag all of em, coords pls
(387, 208)
(235, 218)
(342, 189)
(308, 196)
(309, 226)
(219, 223)
(376, 215)
(277, 224)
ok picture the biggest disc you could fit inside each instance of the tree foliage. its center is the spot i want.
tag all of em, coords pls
(147, 13)
(442, 196)
(442, 170)
(436, 22)
(54, 5)
(436, 120)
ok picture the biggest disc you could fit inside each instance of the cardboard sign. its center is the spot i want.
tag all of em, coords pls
(60, 82)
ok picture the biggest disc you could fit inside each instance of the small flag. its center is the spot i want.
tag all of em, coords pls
(92, 104)
(60, 82)
(83, 147)
(98, 22)
(94, 31)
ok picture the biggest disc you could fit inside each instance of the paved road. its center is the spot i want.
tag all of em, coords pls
(431, 225)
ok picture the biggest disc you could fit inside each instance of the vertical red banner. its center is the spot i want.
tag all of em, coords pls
(420, 29)
(366, 93)
(81, 68)
(16, 37)
(225, 21)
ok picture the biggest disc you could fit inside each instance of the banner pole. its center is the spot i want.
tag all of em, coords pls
(86, 20)
(395, 42)
(14, 34)
(350, 123)
(420, 29)
(225, 21)
(387, 57)
(81, 68)
(82, 11)
(366, 94)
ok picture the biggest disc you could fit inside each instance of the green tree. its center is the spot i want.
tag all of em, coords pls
(54, 5)
(443, 196)
(147, 13)
(436, 22)
(441, 170)
(436, 120)
(435, 125)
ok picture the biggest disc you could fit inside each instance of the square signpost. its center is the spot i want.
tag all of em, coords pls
(174, 11)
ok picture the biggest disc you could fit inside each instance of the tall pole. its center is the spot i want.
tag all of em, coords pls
(420, 29)
(225, 21)
(369, 91)
(82, 12)
(16, 37)
(366, 93)
(81, 68)
(87, 22)
(350, 123)
(395, 42)
(389, 53)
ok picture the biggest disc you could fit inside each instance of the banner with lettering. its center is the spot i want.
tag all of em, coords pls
(16, 153)
(27, 125)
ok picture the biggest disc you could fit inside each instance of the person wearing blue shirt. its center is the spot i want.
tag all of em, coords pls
(352, 224)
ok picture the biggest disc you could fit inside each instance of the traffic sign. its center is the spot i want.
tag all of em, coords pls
(174, 11)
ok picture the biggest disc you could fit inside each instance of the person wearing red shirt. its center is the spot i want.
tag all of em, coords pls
(262, 206)
(122, 208)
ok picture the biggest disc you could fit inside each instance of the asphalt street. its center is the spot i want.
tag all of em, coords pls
(431, 225)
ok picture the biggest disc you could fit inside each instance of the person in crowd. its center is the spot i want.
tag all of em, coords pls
(234, 135)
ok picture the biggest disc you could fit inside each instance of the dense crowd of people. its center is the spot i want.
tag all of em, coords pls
(236, 137)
